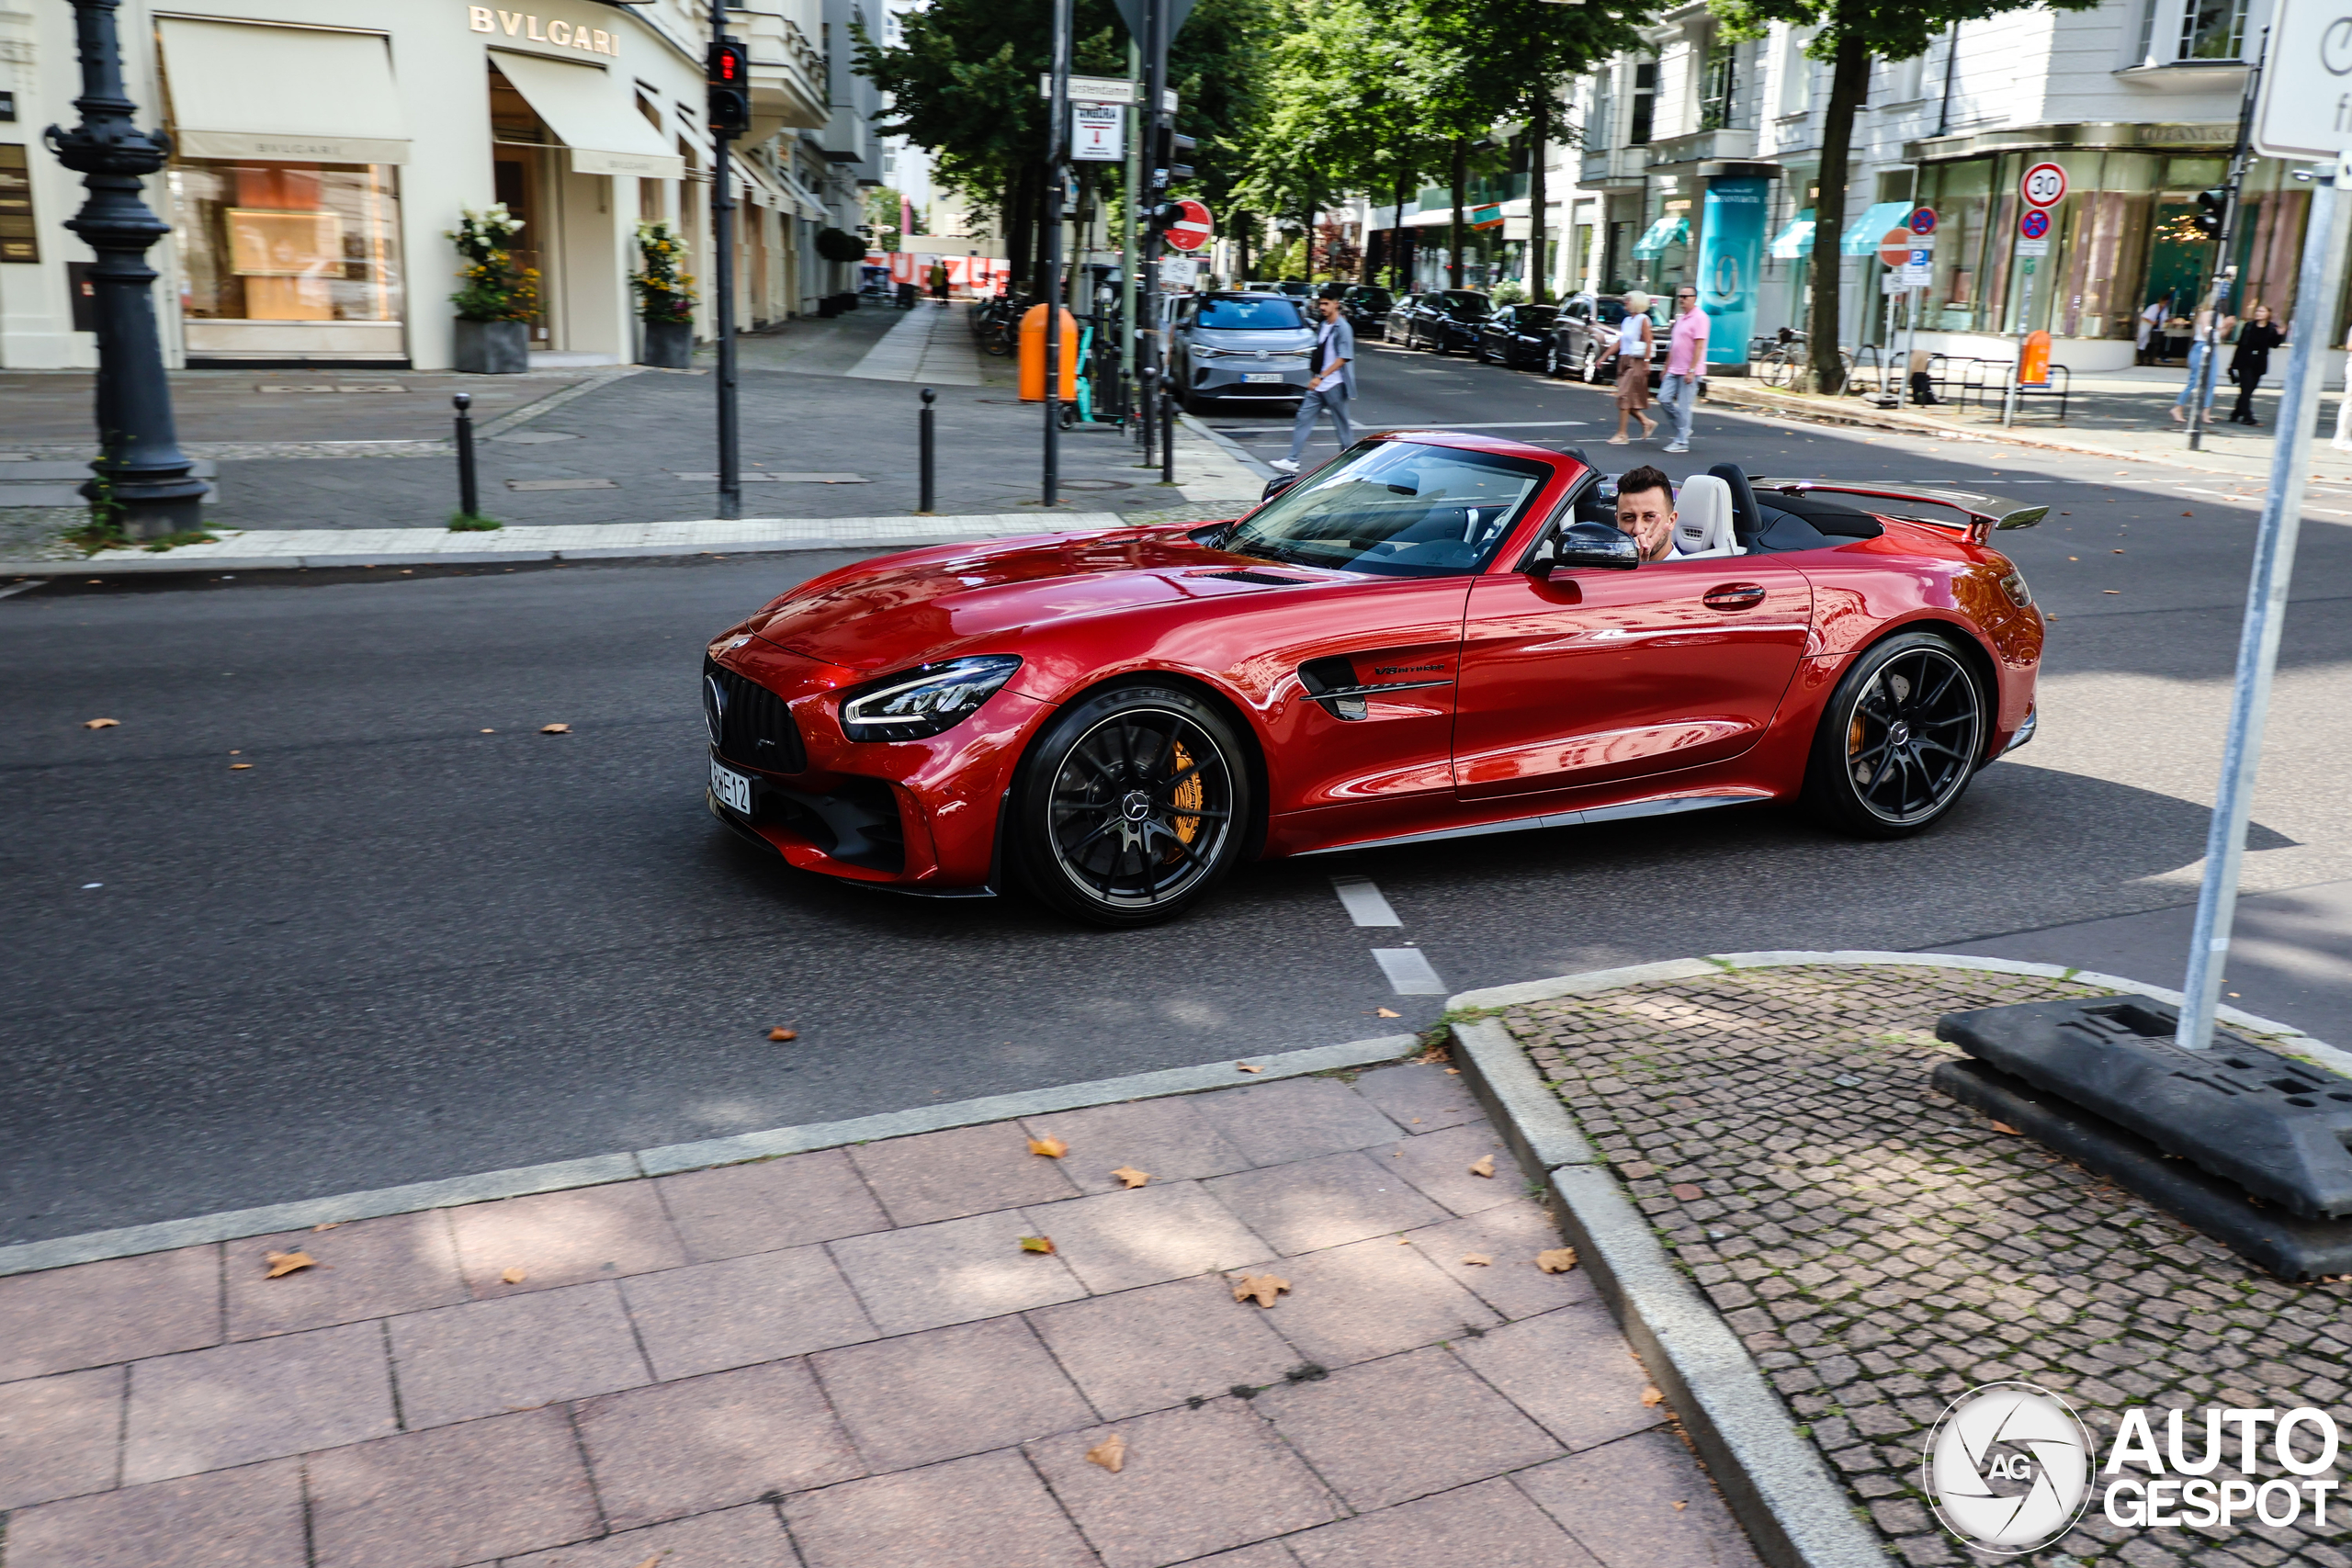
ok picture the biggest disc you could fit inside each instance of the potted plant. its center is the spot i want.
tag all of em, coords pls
(665, 299)
(495, 306)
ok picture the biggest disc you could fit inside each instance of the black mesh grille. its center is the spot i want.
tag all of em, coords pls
(1265, 579)
(751, 722)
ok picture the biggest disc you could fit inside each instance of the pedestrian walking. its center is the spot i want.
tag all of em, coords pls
(2210, 328)
(1631, 351)
(2251, 363)
(939, 281)
(1331, 379)
(1686, 362)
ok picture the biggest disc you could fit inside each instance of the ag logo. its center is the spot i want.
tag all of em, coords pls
(2008, 1467)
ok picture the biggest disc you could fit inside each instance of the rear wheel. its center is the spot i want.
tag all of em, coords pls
(1899, 741)
(1590, 368)
(1553, 364)
(1132, 806)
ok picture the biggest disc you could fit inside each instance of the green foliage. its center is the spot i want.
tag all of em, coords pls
(1508, 292)
(495, 289)
(884, 208)
(840, 245)
(664, 293)
(472, 523)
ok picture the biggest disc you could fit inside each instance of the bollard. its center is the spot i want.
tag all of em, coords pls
(468, 494)
(1167, 435)
(927, 451)
(1146, 424)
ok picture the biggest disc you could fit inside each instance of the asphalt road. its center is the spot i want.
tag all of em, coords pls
(416, 937)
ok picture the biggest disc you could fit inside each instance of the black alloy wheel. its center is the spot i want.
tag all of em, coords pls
(1132, 806)
(1902, 734)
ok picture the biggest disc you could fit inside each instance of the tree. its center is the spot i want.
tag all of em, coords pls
(1853, 33)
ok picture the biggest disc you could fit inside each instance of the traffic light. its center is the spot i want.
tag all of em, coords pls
(728, 72)
(2211, 205)
(1159, 217)
(1167, 147)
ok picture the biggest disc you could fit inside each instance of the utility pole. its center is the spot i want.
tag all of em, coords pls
(2224, 270)
(1056, 176)
(1128, 279)
(141, 481)
(1156, 176)
(730, 116)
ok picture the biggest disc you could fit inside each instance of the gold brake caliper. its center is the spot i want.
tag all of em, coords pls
(1190, 794)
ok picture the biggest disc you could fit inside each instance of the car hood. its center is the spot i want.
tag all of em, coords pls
(913, 609)
(1277, 340)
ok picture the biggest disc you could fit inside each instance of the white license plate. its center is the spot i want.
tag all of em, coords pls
(733, 789)
(1263, 377)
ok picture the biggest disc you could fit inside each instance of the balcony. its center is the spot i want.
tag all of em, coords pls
(788, 71)
(1618, 166)
(847, 139)
(1702, 147)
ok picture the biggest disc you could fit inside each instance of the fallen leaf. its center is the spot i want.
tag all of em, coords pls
(1260, 1288)
(1478, 1259)
(239, 767)
(1036, 1244)
(2004, 1127)
(1130, 1177)
(1483, 1166)
(1387, 1012)
(781, 1035)
(101, 723)
(555, 730)
(1454, 1072)
(1651, 1396)
(1052, 1148)
(1404, 1241)
(1248, 1068)
(287, 1262)
(1679, 1506)
(513, 1276)
(489, 732)
(1689, 1191)
(1111, 1453)
(326, 1225)
(655, 1561)
(1559, 1260)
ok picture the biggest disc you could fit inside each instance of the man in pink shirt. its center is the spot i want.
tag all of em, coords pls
(1686, 361)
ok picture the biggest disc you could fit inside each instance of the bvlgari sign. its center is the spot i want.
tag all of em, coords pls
(525, 28)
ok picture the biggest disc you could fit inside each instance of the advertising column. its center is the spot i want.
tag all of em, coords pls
(1731, 255)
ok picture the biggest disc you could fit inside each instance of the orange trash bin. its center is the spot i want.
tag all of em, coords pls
(1032, 356)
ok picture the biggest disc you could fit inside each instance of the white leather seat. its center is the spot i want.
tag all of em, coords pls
(1703, 525)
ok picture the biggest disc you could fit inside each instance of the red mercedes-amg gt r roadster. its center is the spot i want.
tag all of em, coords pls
(1432, 636)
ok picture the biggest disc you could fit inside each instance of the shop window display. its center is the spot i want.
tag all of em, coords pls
(271, 241)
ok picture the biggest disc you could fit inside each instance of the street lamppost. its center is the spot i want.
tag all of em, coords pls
(141, 478)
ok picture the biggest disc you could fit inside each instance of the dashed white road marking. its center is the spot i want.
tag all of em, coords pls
(1363, 901)
(1408, 972)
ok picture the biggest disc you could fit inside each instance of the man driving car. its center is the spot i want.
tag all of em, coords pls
(1646, 510)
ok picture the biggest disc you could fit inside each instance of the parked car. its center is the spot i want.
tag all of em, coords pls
(1237, 344)
(1441, 319)
(1367, 307)
(1585, 326)
(1517, 337)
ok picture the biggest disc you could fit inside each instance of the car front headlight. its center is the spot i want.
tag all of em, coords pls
(915, 704)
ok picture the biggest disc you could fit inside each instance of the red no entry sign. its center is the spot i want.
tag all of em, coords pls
(1191, 231)
(1895, 247)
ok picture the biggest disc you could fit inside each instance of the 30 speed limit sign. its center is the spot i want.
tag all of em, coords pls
(2044, 185)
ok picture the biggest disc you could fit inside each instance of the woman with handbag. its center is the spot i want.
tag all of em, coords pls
(1636, 342)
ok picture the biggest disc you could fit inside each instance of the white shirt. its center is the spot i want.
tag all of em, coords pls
(1629, 337)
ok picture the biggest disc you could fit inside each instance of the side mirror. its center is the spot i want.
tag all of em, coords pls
(1583, 544)
(1275, 486)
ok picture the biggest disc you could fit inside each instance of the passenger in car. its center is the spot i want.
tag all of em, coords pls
(1646, 510)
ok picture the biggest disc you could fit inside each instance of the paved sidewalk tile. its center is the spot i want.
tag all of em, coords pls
(1485, 1526)
(749, 1536)
(1404, 1427)
(768, 1205)
(1324, 1202)
(248, 1518)
(1438, 1165)
(1511, 1234)
(366, 1269)
(954, 1272)
(454, 1495)
(1147, 1349)
(1571, 1371)
(93, 1314)
(235, 1403)
(564, 1238)
(962, 1171)
(687, 1448)
(1193, 1482)
(1167, 1138)
(948, 1392)
(1265, 1554)
(1116, 1241)
(484, 1357)
(1295, 1119)
(990, 1511)
(59, 1434)
(1619, 1502)
(1418, 1097)
(1375, 1298)
(742, 1310)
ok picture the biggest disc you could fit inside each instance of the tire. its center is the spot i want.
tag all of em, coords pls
(1100, 826)
(1480, 354)
(1901, 737)
(1590, 368)
(1553, 368)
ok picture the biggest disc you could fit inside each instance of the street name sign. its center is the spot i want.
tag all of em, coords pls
(1103, 90)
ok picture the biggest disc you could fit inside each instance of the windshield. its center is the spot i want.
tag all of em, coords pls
(1464, 307)
(1245, 313)
(1394, 508)
(1373, 299)
(1535, 315)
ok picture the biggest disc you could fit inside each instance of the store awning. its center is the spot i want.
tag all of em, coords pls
(811, 210)
(1863, 233)
(292, 95)
(593, 114)
(1796, 240)
(1674, 229)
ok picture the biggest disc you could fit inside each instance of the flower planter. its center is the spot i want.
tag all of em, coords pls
(668, 345)
(493, 348)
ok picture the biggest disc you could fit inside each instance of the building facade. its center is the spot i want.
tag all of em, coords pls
(321, 151)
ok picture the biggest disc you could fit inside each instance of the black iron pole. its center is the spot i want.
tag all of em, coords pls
(926, 452)
(1167, 434)
(1155, 191)
(1056, 142)
(1147, 409)
(469, 493)
(141, 481)
(722, 218)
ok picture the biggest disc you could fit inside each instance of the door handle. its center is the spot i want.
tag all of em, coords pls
(1734, 596)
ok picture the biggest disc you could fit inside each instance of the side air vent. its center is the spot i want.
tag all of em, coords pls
(1263, 579)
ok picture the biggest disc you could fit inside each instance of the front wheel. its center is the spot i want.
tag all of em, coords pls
(1591, 371)
(1899, 741)
(1132, 806)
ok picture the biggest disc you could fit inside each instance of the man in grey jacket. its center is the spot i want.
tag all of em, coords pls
(1332, 379)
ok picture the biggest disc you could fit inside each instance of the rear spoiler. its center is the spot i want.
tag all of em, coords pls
(1984, 512)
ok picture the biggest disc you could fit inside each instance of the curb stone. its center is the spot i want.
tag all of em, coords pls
(1794, 1512)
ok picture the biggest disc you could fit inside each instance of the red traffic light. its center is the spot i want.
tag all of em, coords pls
(727, 65)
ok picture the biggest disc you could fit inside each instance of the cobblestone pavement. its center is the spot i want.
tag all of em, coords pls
(847, 1359)
(1880, 1249)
